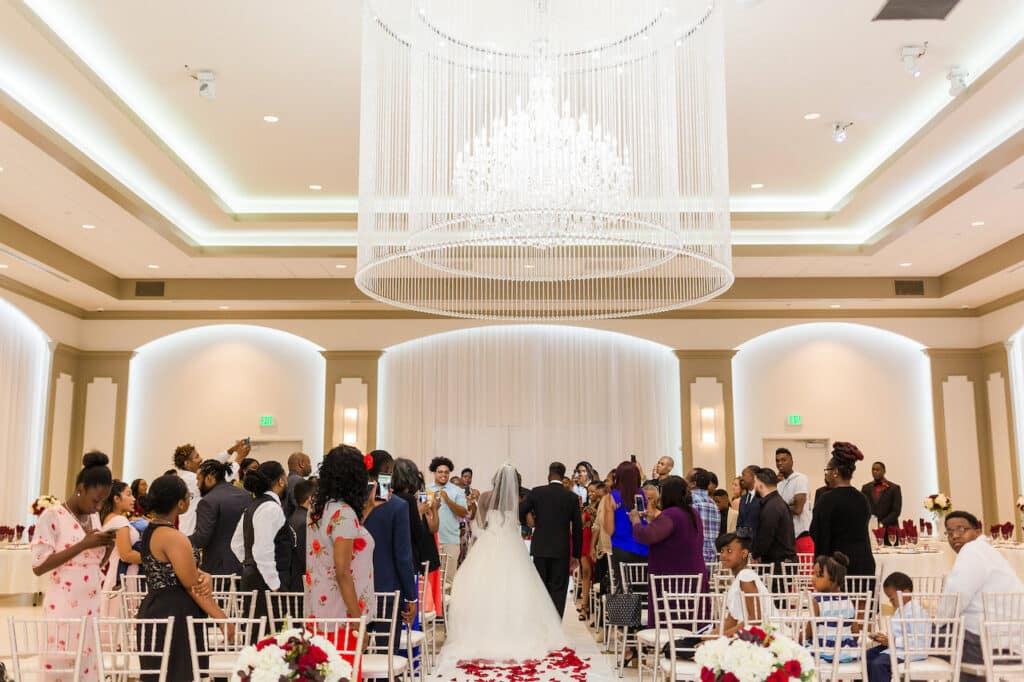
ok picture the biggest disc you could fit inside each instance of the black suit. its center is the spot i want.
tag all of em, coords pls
(775, 540)
(288, 499)
(889, 504)
(217, 516)
(557, 522)
(749, 513)
(297, 520)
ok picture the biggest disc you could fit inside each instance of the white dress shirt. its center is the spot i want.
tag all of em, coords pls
(980, 568)
(187, 521)
(267, 520)
(788, 489)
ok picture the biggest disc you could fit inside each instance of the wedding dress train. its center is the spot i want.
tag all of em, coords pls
(500, 609)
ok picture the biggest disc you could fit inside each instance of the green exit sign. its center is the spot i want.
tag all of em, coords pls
(795, 420)
(266, 420)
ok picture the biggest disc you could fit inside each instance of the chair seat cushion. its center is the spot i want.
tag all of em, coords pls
(684, 669)
(418, 637)
(375, 666)
(932, 665)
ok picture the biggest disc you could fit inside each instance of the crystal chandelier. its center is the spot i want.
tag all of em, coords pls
(543, 159)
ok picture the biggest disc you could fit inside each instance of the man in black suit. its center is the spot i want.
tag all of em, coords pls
(776, 540)
(556, 514)
(750, 503)
(884, 498)
(217, 515)
(297, 520)
(299, 468)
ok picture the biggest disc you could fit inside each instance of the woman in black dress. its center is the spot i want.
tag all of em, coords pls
(840, 521)
(176, 587)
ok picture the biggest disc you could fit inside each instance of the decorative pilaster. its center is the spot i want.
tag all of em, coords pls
(359, 364)
(716, 365)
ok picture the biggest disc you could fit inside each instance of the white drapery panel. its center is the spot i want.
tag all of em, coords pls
(529, 394)
(24, 366)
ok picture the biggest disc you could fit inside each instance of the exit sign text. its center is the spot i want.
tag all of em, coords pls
(794, 420)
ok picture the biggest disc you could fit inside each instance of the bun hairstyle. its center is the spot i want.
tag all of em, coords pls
(844, 459)
(215, 468)
(95, 473)
(834, 566)
(262, 478)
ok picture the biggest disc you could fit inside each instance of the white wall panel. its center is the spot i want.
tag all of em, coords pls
(999, 420)
(100, 412)
(962, 443)
(63, 397)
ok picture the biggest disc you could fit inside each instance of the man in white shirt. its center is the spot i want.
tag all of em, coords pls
(186, 461)
(794, 488)
(979, 568)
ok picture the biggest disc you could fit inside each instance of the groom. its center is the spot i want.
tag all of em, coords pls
(556, 512)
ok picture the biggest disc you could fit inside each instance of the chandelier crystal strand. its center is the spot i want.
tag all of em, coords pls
(543, 159)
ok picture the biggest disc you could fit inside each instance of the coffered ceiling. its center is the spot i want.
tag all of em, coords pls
(101, 124)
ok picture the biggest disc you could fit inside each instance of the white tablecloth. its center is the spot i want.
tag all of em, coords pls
(937, 563)
(16, 575)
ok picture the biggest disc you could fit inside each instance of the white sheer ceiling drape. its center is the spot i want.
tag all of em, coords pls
(24, 366)
(529, 394)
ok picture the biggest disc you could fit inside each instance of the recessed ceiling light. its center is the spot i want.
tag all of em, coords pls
(99, 310)
(224, 307)
(529, 267)
(813, 116)
(3, 266)
(757, 185)
(1, 169)
(905, 265)
(152, 266)
(835, 305)
(271, 119)
(316, 187)
(341, 266)
(978, 223)
(88, 226)
(964, 307)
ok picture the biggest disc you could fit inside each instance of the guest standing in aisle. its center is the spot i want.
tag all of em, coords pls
(452, 510)
(750, 504)
(186, 463)
(69, 545)
(175, 585)
(263, 541)
(885, 499)
(840, 520)
(299, 469)
(217, 516)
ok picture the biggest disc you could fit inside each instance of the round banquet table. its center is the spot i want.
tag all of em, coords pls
(16, 575)
(939, 562)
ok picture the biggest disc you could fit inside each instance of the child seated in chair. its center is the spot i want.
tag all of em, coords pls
(828, 576)
(898, 588)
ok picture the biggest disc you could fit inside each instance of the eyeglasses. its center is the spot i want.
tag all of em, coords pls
(829, 471)
(959, 530)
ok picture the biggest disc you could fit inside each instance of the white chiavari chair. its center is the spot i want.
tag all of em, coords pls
(764, 571)
(613, 582)
(214, 649)
(380, 661)
(132, 647)
(841, 626)
(130, 603)
(682, 639)
(1004, 606)
(721, 579)
(414, 642)
(225, 583)
(347, 635)
(792, 576)
(133, 583)
(926, 644)
(1002, 649)
(633, 579)
(237, 604)
(428, 618)
(283, 609)
(785, 605)
(863, 584)
(46, 647)
(651, 640)
(928, 584)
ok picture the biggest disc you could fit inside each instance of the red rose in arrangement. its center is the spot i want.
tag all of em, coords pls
(793, 668)
(729, 677)
(706, 675)
(779, 675)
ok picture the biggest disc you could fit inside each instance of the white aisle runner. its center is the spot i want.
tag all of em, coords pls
(582, 661)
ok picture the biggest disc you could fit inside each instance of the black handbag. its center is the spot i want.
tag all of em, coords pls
(623, 610)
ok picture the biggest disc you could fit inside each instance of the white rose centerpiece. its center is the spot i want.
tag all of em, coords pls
(754, 655)
(292, 655)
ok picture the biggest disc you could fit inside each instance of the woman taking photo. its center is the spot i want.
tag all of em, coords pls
(263, 541)
(116, 510)
(840, 521)
(339, 549)
(68, 541)
(175, 585)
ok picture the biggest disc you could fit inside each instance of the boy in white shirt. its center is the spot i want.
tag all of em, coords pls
(879, 661)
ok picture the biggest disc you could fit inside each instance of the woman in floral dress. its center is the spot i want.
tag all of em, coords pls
(69, 545)
(339, 550)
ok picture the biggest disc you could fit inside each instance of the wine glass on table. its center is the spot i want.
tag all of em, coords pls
(893, 534)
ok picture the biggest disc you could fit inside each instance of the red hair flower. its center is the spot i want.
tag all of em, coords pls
(368, 462)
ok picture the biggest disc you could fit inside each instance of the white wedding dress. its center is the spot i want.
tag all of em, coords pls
(500, 610)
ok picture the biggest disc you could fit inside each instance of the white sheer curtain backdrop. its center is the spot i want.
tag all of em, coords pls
(530, 394)
(24, 370)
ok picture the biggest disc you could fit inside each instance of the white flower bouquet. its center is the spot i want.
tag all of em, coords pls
(42, 503)
(939, 503)
(754, 655)
(292, 655)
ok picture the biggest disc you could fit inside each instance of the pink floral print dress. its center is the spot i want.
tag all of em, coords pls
(75, 588)
(323, 598)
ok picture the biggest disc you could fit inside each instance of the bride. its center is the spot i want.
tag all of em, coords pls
(500, 610)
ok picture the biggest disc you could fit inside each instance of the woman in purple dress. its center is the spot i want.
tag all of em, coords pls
(674, 536)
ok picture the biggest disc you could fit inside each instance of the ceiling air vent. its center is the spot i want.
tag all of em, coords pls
(150, 288)
(909, 287)
(910, 10)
